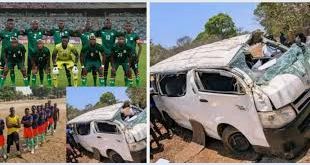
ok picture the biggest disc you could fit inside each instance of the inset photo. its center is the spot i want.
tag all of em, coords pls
(230, 82)
(32, 125)
(106, 124)
(73, 44)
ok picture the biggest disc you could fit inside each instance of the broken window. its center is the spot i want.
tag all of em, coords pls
(83, 128)
(102, 127)
(218, 83)
(173, 85)
(294, 61)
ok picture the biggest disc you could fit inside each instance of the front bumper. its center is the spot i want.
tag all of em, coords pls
(139, 156)
(287, 142)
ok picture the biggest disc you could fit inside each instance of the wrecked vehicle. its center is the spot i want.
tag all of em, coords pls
(265, 108)
(104, 133)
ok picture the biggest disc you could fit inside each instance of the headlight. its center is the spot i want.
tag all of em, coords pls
(262, 102)
(137, 146)
(277, 118)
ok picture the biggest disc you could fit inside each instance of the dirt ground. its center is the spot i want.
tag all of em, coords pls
(54, 150)
(214, 151)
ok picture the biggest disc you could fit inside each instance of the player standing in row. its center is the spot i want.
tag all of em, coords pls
(132, 40)
(35, 118)
(2, 141)
(63, 57)
(13, 125)
(121, 54)
(28, 131)
(92, 60)
(14, 55)
(34, 34)
(5, 36)
(41, 62)
(108, 37)
(84, 35)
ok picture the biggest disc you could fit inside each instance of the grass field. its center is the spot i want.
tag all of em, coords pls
(63, 80)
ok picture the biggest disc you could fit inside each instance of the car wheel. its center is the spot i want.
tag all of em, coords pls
(96, 154)
(115, 157)
(234, 141)
(170, 122)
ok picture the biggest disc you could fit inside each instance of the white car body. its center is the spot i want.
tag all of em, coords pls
(245, 111)
(122, 141)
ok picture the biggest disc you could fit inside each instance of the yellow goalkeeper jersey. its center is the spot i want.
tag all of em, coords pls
(65, 54)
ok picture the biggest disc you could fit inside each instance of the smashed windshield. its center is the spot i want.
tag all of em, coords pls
(139, 117)
(294, 61)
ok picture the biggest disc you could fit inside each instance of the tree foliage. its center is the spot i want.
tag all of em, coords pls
(218, 27)
(284, 17)
(137, 96)
(108, 98)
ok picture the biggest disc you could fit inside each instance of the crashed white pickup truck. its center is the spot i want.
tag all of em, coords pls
(246, 106)
(104, 132)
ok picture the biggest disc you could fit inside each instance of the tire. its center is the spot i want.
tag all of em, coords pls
(96, 154)
(170, 122)
(234, 141)
(115, 157)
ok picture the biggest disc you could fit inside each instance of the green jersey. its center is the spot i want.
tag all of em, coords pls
(85, 37)
(6, 36)
(33, 37)
(108, 37)
(43, 55)
(58, 33)
(92, 53)
(15, 54)
(131, 41)
(121, 54)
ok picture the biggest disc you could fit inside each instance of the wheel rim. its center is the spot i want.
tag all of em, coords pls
(238, 142)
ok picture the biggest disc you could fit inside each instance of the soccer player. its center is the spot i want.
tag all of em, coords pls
(84, 36)
(41, 61)
(51, 120)
(33, 34)
(35, 118)
(13, 126)
(56, 115)
(41, 133)
(14, 55)
(62, 57)
(132, 39)
(28, 132)
(108, 37)
(2, 140)
(92, 59)
(57, 33)
(5, 37)
(120, 56)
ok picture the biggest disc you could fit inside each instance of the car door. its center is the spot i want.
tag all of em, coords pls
(223, 97)
(172, 97)
(109, 136)
(84, 135)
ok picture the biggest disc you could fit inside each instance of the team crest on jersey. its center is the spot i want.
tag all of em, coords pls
(112, 34)
(131, 38)
(124, 51)
(92, 54)
(18, 52)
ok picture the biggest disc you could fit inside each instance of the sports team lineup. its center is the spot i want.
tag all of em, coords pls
(47, 62)
(28, 127)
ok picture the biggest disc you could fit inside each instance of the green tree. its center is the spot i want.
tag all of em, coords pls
(137, 96)
(220, 26)
(284, 17)
(108, 98)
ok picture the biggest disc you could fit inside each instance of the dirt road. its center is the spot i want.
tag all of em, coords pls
(54, 150)
(214, 152)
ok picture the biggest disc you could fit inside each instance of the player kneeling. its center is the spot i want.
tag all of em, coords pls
(91, 62)
(14, 55)
(120, 56)
(63, 57)
(41, 61)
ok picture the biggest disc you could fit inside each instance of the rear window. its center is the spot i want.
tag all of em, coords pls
(102, 127)
(83, 128)
(173, 85)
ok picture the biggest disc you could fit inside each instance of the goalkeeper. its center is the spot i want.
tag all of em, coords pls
(65, 55)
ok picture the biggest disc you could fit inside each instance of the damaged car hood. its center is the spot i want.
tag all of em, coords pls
(136, 129)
